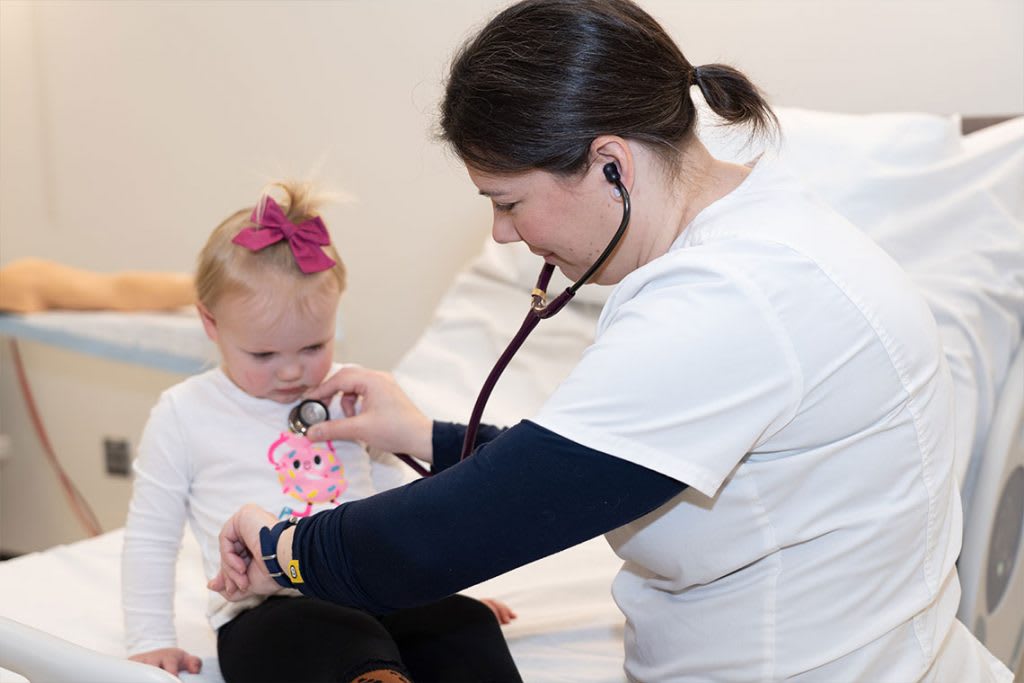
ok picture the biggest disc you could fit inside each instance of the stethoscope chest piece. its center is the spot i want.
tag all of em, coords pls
(305, 415)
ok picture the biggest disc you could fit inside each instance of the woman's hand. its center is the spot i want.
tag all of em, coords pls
(170, 659)
(377, 412)
(242, 572)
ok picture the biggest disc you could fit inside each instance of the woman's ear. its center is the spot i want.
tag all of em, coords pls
(209, 322)
(613, 149)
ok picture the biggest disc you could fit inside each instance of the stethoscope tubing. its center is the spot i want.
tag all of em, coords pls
(540, 309)
(532, 318)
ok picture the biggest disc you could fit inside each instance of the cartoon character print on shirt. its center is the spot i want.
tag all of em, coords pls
(308, 472)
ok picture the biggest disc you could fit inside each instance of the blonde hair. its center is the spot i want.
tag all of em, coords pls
(224, 267)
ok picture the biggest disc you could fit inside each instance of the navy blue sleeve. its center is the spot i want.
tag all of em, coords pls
(447, 437)
(526, 494)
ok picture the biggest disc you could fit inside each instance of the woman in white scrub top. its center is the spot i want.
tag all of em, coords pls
(762, 427)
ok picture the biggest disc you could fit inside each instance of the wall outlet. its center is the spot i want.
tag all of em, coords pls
(117, 456)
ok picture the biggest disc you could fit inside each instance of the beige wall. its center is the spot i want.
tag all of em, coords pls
(129, 129)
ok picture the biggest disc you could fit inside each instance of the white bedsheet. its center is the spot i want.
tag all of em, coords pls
(568, 629)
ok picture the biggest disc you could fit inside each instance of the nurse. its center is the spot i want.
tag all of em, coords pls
(762, 427)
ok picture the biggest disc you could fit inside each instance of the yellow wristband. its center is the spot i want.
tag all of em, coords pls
(293, 572)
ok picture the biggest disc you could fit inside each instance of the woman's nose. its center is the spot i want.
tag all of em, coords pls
(503, 231)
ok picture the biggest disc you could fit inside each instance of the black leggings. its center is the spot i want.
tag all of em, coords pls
(305, 640)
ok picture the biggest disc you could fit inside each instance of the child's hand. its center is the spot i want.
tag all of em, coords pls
(170, 659)
(242, 573)
(502, 612)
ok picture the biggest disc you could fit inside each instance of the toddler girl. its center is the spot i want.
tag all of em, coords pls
(268, 284)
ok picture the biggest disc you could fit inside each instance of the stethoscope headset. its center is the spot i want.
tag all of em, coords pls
(310, 412)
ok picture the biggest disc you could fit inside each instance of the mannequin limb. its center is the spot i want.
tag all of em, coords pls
(30, 285)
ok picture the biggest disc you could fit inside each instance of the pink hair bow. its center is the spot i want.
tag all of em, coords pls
(304, 239)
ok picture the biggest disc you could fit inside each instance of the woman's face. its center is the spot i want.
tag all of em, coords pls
(566, 221)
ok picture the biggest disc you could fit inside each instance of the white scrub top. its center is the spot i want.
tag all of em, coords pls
(782, 365)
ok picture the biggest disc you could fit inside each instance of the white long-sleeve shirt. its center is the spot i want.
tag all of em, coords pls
(207, 449)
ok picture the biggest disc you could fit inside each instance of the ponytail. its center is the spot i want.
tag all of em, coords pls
(734, 98)
(301, 200)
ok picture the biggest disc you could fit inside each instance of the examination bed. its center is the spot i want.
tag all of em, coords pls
(948, 207)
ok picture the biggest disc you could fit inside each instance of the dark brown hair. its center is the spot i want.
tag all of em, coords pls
(545, 77)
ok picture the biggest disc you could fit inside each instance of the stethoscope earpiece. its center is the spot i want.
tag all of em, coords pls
(305, 415)
(611, 174)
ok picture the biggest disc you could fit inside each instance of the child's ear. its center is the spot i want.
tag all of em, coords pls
(209, 322)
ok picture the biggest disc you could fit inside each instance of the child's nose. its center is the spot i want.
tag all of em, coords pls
(289, 372)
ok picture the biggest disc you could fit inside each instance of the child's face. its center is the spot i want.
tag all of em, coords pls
(273, 347)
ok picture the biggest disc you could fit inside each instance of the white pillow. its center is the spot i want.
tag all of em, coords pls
(840, 145)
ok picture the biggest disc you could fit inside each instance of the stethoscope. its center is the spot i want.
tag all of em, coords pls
(306, 414)
(309, 412)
